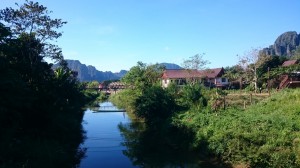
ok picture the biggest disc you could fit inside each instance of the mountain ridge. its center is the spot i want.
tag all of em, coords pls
(88, 73)
(284, 45)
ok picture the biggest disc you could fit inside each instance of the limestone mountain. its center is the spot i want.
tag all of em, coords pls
(90, 73)
(284, 45)
(170, 66)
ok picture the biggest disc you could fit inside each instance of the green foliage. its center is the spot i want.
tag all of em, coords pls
(93, 84)
(40, 110)
(142, 76)
(145, 98)
(33, 19)
(173, 90)
(154, 105)
(162, 147)
(255, 69)
(191, 96)
(272, 64)
(195, 62)
(264, 135)
(126, 99)
(234, 73)
(276, 72)
(296, 53)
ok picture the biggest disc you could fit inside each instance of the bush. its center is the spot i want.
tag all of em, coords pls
(155, 105)
(264, 135)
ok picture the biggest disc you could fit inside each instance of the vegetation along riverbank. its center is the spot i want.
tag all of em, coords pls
(40, 108)
(264, 134)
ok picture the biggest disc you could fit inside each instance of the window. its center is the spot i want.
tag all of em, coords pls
(223, 80)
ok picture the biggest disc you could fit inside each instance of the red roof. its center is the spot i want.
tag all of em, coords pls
(213, 73)
(289, 62)
(183, 73)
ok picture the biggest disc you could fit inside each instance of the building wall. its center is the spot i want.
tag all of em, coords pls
(166, 82)
(219, 80)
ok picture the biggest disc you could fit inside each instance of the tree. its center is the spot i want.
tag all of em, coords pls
(191, 97)
(155, 105)
(93, 84)
(39, 108)
(296, 53)
(251, 61)
(235, 73)
(195, 62)
(142, 75)
(33, 18)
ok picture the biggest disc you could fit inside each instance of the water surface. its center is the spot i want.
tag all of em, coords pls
(104, 140)
(113, 140)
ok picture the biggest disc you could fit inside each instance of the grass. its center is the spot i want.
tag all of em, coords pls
(242, 100)
(266, 134)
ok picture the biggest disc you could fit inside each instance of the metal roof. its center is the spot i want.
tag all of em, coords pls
(289, 62)
(184, 73)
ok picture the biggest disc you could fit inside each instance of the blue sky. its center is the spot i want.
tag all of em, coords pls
(115, 34)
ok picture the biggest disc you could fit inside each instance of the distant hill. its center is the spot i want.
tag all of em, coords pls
(284, 45)
(171, 66)
(90, 73)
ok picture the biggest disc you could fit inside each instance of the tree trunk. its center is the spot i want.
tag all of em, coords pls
(241, 85)
(255, 80)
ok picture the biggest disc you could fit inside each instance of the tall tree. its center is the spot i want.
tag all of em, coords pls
(195, 62)
(235, 73)
(142, 75)
(33, 18)
(251, 61)
(48, 105)
(296, 53)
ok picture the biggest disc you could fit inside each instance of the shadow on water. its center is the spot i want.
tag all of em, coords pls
(151, 148)
(52, 146)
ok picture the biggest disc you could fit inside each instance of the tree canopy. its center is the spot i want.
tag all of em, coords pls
(40, 109)
(142, 75)
(33, 18)
(195, 62)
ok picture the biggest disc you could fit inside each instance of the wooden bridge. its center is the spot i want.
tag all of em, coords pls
(109, 109)
(111, 88)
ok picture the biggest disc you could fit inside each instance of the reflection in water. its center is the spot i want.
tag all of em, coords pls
(103, 140)
(152, 148)
(113, 140)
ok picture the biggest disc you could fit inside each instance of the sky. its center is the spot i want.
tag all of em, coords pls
(113, 35)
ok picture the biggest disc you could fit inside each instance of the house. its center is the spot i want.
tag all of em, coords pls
(291, 80)
(215, 77)
(210, 77)
(289, 63)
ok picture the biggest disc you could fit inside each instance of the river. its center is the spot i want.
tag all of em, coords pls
(113, 140)
(104, 140)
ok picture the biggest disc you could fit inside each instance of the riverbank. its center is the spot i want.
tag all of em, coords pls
(266, 134)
